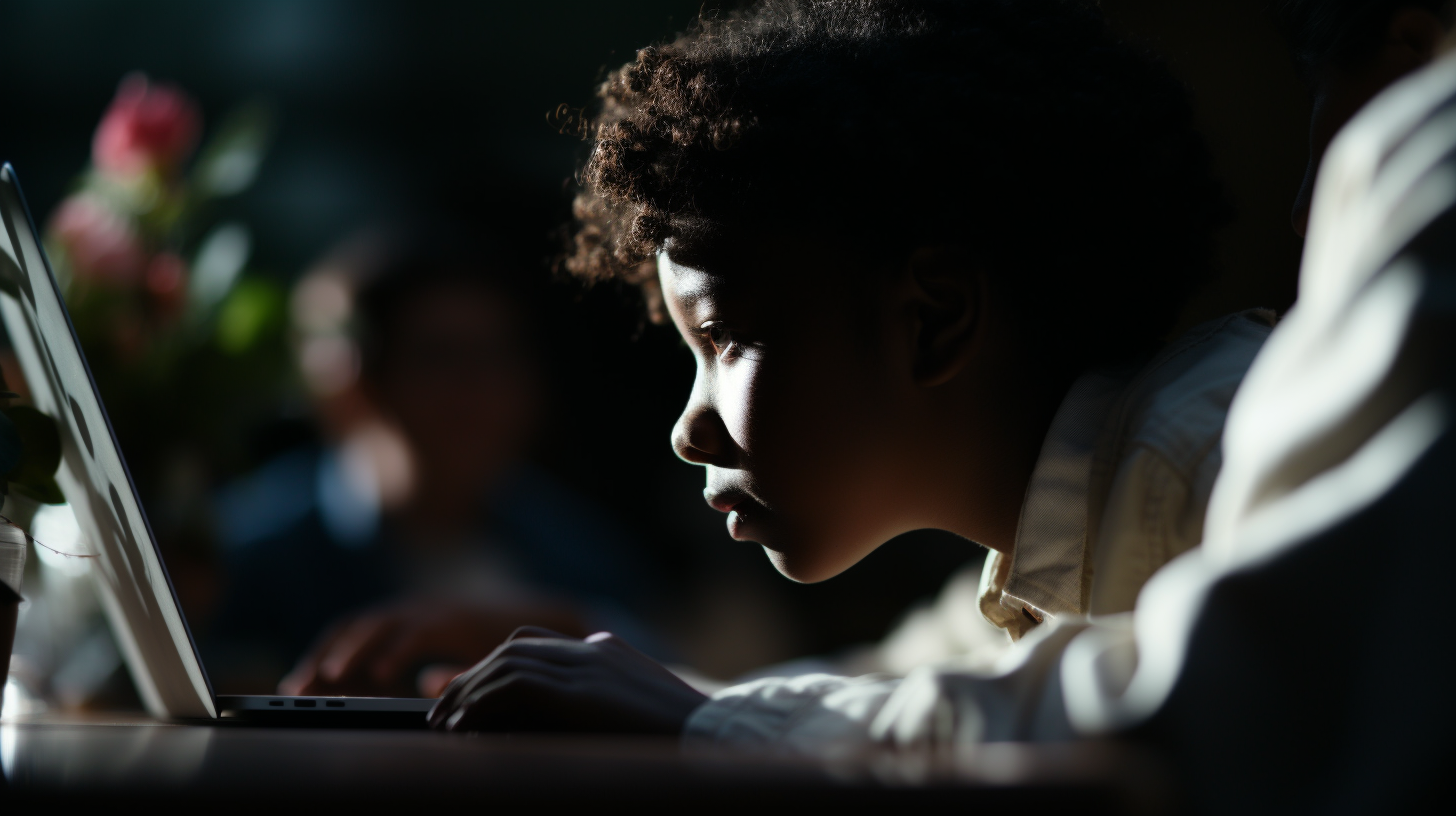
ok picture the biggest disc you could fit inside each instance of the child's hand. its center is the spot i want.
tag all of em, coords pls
(543, 681)
(379, 652)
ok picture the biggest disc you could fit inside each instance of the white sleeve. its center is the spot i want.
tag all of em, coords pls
(1300, 660)
(826, 716)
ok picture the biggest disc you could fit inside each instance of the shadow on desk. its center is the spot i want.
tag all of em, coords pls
(50, 762)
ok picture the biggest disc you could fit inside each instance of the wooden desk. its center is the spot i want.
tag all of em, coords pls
(110, 761)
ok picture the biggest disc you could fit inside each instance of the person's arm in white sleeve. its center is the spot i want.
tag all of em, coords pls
(823, 715)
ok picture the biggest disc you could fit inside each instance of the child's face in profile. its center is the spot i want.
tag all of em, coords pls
(802, 409)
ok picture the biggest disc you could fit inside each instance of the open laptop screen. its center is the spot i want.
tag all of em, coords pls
(131, 578)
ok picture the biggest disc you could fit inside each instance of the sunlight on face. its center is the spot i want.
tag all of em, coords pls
(797, 409)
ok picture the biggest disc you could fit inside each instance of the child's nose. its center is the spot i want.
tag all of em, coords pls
(700, 438)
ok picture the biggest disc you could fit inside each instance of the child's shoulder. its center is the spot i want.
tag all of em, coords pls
(1176, 404)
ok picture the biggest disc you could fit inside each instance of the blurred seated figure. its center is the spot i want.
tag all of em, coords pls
(418, 537)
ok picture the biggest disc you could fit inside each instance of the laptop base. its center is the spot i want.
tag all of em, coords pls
(323, 712)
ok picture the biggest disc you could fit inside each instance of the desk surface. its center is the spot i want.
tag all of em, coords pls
(132, 759)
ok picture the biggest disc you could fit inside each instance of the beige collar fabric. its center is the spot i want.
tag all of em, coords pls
(1123, 479)
(1044, 574)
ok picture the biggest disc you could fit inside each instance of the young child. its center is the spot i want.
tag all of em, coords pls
(927, 256)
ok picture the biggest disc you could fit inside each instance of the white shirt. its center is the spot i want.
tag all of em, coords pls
(1118, 490)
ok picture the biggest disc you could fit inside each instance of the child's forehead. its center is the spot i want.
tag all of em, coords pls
(694, 293)
(745, 259)
(688, 283)
(762, 275)
(719, 256)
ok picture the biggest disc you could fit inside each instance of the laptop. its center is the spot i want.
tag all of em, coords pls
(135, 591)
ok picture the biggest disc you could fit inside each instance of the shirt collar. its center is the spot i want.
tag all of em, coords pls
(1044, 572)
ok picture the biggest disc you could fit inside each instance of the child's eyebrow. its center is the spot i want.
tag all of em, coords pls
(691, 288)
(694, 293)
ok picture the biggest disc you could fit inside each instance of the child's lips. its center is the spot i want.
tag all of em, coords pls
(725, 501)
(743, 512)
(738, 525)
(747, 520)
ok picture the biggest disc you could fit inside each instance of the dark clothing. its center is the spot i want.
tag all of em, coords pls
(302, 548)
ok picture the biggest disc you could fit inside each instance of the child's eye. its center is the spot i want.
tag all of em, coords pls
(719, 335)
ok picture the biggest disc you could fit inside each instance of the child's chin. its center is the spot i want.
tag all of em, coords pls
(805, 567)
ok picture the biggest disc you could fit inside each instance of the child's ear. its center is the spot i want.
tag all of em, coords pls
(947, 298)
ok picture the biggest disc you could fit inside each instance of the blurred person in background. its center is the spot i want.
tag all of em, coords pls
(418, 535)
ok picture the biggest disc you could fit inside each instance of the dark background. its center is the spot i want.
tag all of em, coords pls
(440, 110)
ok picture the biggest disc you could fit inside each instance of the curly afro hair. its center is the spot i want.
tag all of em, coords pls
(1063, 158)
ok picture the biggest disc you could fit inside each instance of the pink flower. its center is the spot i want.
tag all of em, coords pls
(166, 279)
(147, 127)
(166, 273)
(100, 244)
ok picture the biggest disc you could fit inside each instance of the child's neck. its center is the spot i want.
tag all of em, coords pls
(982, 476)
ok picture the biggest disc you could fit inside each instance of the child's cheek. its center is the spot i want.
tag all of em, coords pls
(737, 387)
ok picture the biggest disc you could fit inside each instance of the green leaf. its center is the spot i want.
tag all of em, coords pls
(230, 160)
(46, 493)
(9, 275)
(254, 307)
(10, 445)
(219, 261)
(40, 455)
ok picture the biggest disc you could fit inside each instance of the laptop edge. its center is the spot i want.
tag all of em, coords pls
(136, 590)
